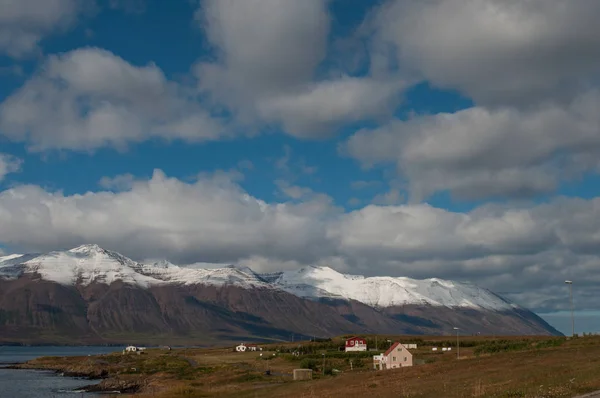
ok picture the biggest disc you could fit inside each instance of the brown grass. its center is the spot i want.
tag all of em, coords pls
(564, 369)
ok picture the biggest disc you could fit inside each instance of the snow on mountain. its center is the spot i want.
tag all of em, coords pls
(169, 273)
(91, 264)
(81, 265)
(324, 282)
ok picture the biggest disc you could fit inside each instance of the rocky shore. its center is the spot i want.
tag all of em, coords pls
(89, 369)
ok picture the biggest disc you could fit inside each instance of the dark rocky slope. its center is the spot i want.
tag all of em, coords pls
(33, 311)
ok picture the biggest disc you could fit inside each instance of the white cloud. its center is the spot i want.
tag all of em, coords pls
(293, 191)
(210, 220)
(391, 197)
(23, 23)
(495, 51)
(268, 52)
(121, 182)
(90, 98)
(9, 164)
(481, 152)
(325, 105)
(214, 220)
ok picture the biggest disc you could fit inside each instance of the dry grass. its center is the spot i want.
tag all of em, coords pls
(563, 369)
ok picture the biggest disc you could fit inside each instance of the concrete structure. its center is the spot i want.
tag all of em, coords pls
(303, 374)
(396, 356)
(356, 344)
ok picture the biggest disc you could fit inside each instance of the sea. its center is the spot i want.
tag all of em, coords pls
(43, 384)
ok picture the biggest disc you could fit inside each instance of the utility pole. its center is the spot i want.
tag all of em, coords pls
(323, 370)
(375, 342)
(457, 344)
(570, 283)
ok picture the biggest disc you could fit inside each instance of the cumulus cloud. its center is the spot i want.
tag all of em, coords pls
(9, 164)
(510, 250)
(481, 152)
(210, 220)
(495, 51)
(121, 182)
(90, 98)
(268, 52)
(23, 23)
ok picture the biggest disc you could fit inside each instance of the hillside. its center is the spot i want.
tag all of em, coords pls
(91, 295)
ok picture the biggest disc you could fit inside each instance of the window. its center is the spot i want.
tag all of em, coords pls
(393, 359)
(405, 359)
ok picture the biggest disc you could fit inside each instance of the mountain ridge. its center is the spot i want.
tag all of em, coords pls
(90, 263)
(96, 296)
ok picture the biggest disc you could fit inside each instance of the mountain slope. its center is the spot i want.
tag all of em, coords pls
(88, 294)
(381, 292)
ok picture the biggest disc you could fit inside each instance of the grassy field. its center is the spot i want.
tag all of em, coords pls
(488, 367)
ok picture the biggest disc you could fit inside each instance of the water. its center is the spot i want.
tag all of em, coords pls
(42, 384)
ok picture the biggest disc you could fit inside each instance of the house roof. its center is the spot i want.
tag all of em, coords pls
(354, 338)
(389, 350)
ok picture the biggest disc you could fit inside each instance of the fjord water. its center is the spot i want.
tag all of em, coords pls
(38, 384)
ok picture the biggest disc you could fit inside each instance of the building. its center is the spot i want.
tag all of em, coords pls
(356, 344)
(253, 347)
(241, 348)
(396, 356)
(133, 348)
(247, 347)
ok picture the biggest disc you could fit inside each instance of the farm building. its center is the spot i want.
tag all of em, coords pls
(133, 348)
(395, 357)
(253, 347)
(356, 344)
(247, 347)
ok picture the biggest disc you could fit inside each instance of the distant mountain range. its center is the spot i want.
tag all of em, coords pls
(91, 295)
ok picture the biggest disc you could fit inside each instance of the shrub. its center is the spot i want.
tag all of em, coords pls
(309, 363)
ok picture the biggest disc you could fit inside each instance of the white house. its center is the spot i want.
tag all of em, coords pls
(356, 344)
(241, 348)
(397, 356)
(132, 348)
(247, 347)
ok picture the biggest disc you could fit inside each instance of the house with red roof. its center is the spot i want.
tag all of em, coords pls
(356, 344)
(397, 356)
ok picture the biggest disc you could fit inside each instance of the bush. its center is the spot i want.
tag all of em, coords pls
(309, 363)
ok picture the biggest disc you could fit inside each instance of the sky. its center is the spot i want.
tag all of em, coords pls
(457, 139)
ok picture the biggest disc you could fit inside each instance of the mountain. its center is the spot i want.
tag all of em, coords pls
(92, 295)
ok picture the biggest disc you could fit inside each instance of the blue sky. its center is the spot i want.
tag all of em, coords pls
(441, 139)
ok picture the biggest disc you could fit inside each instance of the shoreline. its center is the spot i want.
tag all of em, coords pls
(107, 383)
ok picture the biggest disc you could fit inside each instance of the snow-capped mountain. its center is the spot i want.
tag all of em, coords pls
(316, 282)
(94, 296)
(88, 264)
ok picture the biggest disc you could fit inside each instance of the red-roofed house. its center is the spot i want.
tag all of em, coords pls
(396, 356)
(356, 344)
